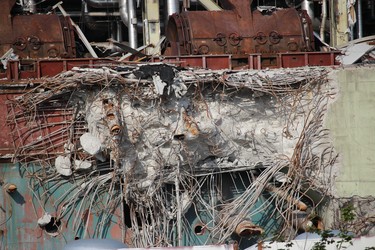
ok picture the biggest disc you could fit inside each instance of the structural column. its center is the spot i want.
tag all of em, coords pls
(339, 22)
(151, 27)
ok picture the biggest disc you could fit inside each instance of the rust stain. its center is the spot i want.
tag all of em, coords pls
(190, 125)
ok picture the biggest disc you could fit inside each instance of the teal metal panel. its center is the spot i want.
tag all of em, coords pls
(20, 210)
(221, 189)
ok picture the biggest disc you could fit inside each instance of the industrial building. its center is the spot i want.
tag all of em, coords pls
(196, 123)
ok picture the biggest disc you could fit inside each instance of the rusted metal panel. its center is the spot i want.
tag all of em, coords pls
(224, 33)
(33, 69)
(218, 62)
(29, 36)
(254, 61)
(6, 22)
(20, 210)
(298, 59)
(6, 142)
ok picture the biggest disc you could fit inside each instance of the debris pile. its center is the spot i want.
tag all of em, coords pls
(359, 51)
(190, 153)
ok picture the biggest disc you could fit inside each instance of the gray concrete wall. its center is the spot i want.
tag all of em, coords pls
(351, 119)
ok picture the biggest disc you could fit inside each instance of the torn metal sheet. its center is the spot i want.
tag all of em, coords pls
(352, 53)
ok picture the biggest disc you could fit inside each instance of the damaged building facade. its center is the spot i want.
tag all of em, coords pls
(231, 135)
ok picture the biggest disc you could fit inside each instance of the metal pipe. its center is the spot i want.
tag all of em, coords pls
(173, 6)
(119, 31)
(103, 3)
(324, 19)
(309, 7)
(123, 9)
(289, 198)
(132, 24)
(360, 25)
(124, 14)
(332, 22)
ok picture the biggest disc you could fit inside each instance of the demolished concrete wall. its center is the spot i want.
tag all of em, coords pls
(190, 156)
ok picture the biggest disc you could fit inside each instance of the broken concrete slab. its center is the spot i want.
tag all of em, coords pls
(90, 143)
(63, 165)
(354, 52)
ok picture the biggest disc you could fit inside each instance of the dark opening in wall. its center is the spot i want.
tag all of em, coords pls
(52, 227)
(199, 229)
(179, 137)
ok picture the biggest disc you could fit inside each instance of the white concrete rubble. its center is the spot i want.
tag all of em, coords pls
(90, 143)
(63, 165)
(44, 220)
(82, 165)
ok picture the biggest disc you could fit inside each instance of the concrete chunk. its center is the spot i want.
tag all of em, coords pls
(82, 165)
(63, 164)
(44, 220)
(90, 143)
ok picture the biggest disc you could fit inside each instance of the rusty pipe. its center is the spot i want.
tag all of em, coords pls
(115, 129)
(305, 222)
(113, 123)
(112, 118)
(247, 229)
(283, 194)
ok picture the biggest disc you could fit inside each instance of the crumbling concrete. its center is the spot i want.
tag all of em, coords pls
(151, 138)
(63, 165)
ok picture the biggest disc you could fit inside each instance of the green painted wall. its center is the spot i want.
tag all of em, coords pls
(351, 119)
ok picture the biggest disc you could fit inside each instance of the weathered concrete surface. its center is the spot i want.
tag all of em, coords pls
(351, 119)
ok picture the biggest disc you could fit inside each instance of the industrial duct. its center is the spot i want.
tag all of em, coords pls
(103, 3)
(172, 7)
(129, 18)
(308, 5)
